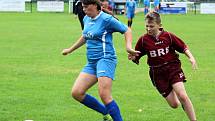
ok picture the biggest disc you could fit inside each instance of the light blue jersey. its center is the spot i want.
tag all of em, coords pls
(130, 5)
(101, 54)
(130, 8)
(98, 35)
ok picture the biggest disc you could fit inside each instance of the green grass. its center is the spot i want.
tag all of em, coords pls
(35, 79)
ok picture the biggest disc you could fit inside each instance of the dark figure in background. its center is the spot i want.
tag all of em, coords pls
(79, 12)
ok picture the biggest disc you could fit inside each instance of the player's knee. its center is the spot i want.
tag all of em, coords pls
(183, 97)
(77, 94)
(105, 97)
(74, 93)
(174, 104)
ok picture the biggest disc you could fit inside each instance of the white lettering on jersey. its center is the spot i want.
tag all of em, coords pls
(153, 53)
(102, 71)
(159, 52)
(91, 23)
(181, 75)
(89, 35)
(167, 49)
(159, 42)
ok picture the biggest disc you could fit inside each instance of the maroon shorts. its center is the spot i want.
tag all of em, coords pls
(165, 76)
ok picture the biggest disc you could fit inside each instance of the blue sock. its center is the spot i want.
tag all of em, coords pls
(113, 110)
(94, 104)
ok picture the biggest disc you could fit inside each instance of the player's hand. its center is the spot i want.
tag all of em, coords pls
(133, 52)
(66, 51)
(131, 57)
(194, 64)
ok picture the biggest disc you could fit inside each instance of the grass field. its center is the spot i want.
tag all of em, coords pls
(35, 79)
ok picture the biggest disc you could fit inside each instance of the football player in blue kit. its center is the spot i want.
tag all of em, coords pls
(101, 59)
(146, 4)
(130, 6)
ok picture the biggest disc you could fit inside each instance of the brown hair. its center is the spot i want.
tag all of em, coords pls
(153, 16)
(94, 2)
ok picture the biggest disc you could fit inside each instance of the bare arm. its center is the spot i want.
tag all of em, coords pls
(81, 41)
(128, 40)
(191, 59)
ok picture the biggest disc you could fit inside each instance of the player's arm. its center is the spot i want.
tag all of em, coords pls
(128, 40)
(81, 41)
(191, 58)
(139, 47)
(181, 47)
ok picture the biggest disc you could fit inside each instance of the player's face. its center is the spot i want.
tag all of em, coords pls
(152, 27)
(90, 10)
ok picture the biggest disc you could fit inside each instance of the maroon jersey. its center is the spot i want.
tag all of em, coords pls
(160, 50)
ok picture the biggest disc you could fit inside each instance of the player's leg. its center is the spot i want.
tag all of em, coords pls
(81, 85)
(146, 6)
(129, 22)
(105, 84)
(131, 18)
(156, 5)
(146, 10)
(105, 73)
(156, 8)
(177, 79)
(128, 15)
(185, 100)
(159, 77)
(172, 99)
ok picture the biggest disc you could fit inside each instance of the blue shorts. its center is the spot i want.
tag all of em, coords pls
(103, 67)
(130, 15)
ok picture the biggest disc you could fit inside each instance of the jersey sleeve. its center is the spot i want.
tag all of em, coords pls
(178, 44)
(139, 47)
(115, 25)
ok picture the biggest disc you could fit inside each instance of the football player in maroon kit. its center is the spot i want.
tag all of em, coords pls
(165, 67)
